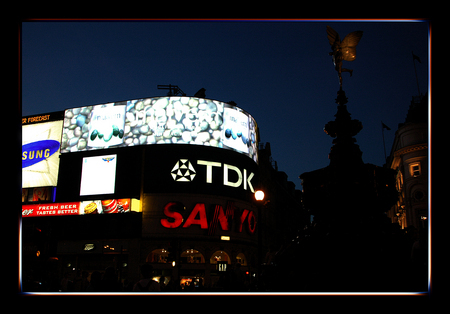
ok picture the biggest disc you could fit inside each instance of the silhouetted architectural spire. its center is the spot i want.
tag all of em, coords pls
(347, 194)
(343, 128)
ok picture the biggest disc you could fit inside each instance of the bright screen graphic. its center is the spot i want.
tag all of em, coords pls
(106, 126)
(109, 206)
(98, 175)
(160, 120)
(40, 154)
(236, 126)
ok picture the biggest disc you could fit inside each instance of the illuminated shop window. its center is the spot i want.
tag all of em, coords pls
(158, 256)
(241, 259)
(192, 256)
(415, 169)
(220, 256)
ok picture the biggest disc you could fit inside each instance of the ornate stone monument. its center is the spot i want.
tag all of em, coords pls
(348, 245)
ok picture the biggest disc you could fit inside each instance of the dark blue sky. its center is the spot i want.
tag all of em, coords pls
(278, 71)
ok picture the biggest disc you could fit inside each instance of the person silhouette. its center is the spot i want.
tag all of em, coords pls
(146, 283)
(109, 281)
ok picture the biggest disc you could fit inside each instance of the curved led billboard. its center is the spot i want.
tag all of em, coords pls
(160, 120)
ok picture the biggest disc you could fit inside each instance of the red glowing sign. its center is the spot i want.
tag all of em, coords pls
(54, 209)
(198, 216)
(111, 206)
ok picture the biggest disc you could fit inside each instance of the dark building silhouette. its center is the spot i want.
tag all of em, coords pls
(351, 244)
(282, 211)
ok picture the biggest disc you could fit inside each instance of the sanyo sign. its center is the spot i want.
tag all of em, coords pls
(184, 171)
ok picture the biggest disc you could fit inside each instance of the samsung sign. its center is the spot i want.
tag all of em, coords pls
(40, 151)
(35, 152)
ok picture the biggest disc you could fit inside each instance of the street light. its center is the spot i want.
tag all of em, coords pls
(259, 195)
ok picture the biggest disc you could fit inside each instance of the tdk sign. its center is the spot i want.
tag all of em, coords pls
(184, 171)
(34, 152)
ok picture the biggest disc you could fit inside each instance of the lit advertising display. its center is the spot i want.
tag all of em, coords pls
(220, 218)
(98, 175)
(180, 168)
(160, 120)
(40, 152)
(36, 194)
(198, 215)
(50, 209)
(200, 170)
(94, 175)
(110, 206)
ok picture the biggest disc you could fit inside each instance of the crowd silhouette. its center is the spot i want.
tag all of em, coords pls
(312, 263)
(232, 280)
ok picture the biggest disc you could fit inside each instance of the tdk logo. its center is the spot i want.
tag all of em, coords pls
(183, 171)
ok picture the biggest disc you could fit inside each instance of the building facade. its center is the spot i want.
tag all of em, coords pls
(168, 181)
(409, 158)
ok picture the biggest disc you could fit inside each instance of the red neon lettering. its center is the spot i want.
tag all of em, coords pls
(243, 216)
(223, 219)
(213, 222)
(219, 217)
(192, 220)
(198, 217)
(251, 220)
(169, 211)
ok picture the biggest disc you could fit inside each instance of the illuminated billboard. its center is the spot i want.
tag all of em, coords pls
(160, 120)
(180, 168)
(196, 215)
(98, 175)
(199, 170)
(93, 207)
(40, 153)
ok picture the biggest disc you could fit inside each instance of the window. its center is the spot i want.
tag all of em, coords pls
(158, 256)
(399, 184)
(240, 258)
(219, 256)
(192, 256)
(419, 196)
(414, 169)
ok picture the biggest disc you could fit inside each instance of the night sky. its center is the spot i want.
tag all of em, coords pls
(278, 71)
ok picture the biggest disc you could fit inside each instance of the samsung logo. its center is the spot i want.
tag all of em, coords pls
(32, 153)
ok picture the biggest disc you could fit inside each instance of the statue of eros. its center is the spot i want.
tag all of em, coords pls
(343, 50)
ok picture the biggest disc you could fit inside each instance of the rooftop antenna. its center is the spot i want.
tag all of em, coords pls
(173, 90)
(415, 70)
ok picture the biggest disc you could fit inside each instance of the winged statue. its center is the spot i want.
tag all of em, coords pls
(343, 50)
